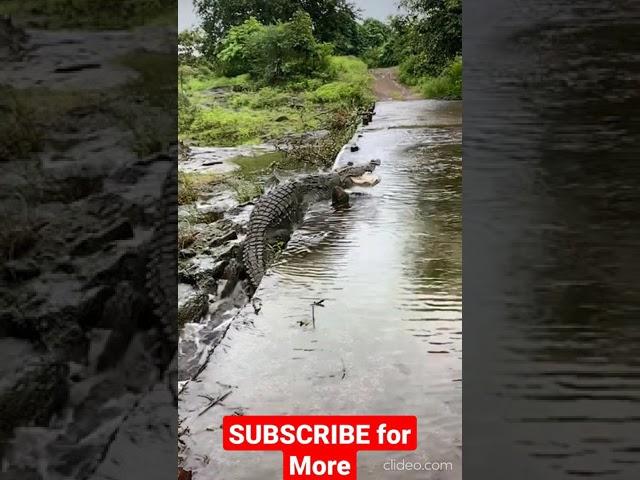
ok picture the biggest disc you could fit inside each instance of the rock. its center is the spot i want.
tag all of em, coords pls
(207, 216)
(202, 272)
(232, 277)
(354, 148)
(187, 253)
(94, 243)
(227, 251)
(17, 270)
(224, 238)
(193, 309)
(32, 388)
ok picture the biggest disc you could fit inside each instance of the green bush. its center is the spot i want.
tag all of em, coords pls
(412, 69)
(274, 54)
(352, 85)
(447, 85)
(348, 69)
(190, 47)
(236, 52)
(342, 92)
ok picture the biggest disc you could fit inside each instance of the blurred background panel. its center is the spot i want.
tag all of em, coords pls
(551, 298)
(88, 335)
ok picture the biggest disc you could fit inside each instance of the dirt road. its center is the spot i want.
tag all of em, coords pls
(388, 87)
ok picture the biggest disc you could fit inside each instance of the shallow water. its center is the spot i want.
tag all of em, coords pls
(389, 339)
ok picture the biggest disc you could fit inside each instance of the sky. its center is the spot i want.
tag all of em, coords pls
(379, 9)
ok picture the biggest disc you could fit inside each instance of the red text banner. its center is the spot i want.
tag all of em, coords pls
(319, 446)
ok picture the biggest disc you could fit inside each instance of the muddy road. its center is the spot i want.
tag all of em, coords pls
(387, 86)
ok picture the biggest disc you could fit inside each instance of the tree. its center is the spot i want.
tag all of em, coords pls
(190, 45)
(435, 35)
(333, 20)
(374, 33)
(274, 53)
(237, 48)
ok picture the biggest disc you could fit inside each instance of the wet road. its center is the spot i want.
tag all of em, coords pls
(389, 339)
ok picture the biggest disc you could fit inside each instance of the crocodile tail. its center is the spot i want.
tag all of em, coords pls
(162, 263)
(253, 255)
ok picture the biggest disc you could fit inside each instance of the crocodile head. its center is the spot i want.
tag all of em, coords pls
(350, 174)
(346, 177)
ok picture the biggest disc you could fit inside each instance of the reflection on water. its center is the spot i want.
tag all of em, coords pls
(390, 335)
(551, 161)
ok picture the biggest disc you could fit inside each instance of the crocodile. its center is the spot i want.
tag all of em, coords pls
(285, 205)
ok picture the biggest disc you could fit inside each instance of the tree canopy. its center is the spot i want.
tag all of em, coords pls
(333, 20)
(274, 53)
(434, 36)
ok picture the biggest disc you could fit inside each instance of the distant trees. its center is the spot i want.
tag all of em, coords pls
(190, 44)
(434, 36)
(373, 36)
(333, 21)
(275, 41)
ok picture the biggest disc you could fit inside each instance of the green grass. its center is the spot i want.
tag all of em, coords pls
(446, 86)
(342, 92)
(191, 185)
(352, 84)
(252, 165)
(240, 113)
(201, 80)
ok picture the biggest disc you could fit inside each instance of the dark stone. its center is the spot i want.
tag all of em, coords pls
(232, 277)
(77, 68)
(224, 238)
(20, 271)
(193, 309)
(96, 242)
(34, 390)
(187, 253)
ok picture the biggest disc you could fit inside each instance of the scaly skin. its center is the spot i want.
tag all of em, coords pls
(162, 262)
(287, 203)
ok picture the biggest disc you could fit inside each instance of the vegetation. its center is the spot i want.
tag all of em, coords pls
(334, 21)
(376, 43)
(103, 14)
(229, 111)
(447, 85)
(430, 47)
(275, 71)
(191, 185)
(273, 54)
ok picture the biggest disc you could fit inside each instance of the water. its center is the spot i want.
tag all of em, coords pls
(389, 339)
(552, 344)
